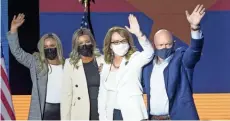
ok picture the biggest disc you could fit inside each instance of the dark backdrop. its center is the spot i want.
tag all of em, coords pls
(19, 75)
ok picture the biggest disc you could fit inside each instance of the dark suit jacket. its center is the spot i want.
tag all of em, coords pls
(178, 77)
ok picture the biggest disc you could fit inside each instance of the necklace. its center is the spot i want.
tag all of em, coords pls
(117, 67)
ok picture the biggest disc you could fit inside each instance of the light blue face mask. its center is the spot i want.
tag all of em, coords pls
(164, 53)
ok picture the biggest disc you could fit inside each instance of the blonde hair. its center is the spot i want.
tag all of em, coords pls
(108, 53)
(74, 55)
(41, 55)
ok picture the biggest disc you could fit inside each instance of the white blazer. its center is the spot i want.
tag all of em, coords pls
(75, 104)
(129, 89)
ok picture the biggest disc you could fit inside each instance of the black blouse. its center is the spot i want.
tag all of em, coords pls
(93, 82)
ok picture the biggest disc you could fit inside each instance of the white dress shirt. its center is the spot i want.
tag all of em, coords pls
(55, 77)
(159, 102)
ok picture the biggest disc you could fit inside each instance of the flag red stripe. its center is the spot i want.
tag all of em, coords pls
(5, 79)
(2, 118)
(7, 106)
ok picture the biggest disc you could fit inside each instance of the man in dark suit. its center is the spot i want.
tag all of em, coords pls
(168, 77)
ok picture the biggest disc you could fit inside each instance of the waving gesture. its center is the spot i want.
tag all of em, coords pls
(17, 22)
(196, 16)
(134, 25)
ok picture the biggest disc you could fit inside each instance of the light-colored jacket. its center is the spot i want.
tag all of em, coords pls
(75, 103)
(129, 90)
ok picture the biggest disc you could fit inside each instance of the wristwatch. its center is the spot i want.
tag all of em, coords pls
(196, 29)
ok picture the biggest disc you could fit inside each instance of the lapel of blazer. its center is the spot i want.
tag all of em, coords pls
(124, 68)
(42, 87)
(105, 72)
(122, 71)
(80, 78)
(169, 79)
(80, 71)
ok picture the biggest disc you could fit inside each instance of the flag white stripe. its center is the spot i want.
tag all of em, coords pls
(4, 112)
(3, 66)
(7, 94)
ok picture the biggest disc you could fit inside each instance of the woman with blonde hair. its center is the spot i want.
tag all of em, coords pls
(81, 78)
(120, 94)
(46, 69)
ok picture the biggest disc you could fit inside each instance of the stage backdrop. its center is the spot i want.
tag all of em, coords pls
(211, 75)
(211, 82)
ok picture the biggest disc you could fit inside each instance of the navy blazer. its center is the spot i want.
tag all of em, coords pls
(178, 76)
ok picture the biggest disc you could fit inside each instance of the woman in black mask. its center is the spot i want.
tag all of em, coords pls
(81, 78)
(46, 69)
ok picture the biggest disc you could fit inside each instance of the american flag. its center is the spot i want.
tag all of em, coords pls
(85, 22)
(7, 109)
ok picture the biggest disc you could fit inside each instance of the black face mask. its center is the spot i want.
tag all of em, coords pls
(164, 53)
(51, 53)
(86, 50)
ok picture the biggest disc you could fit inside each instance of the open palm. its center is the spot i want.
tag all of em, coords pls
(196, 16)
(17, 21)
(134, 25)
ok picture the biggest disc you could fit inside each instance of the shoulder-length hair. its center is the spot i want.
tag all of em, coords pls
(41, 55)
(108, 52)
(74, 55)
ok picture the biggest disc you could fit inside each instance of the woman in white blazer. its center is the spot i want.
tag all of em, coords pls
(120, 95)
(81, 79)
